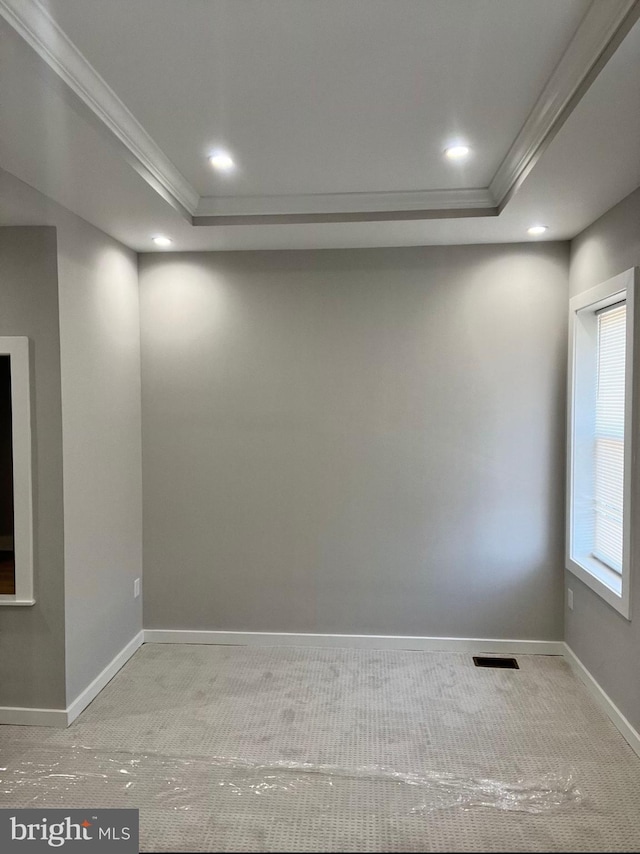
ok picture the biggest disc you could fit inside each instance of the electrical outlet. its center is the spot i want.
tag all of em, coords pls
(136, 588)
(569, 598)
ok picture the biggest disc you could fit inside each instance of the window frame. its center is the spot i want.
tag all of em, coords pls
(17, 348)
(611, 586)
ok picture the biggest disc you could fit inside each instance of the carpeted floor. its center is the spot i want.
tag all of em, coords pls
(198, 738)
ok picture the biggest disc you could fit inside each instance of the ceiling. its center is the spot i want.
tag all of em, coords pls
(336, 114)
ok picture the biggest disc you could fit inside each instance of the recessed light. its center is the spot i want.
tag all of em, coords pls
(222, 161)
(161, 240)
(457, 152)
(537, 229)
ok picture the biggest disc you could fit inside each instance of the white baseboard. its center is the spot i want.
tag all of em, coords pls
(602, 699)
(18, 716)
(91, 691)
(354, 641)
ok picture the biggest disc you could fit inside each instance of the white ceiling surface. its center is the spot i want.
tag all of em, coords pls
(591, 164)
(45, 143)
(335, 96)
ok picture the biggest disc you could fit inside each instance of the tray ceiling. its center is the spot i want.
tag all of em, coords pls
(336, 113)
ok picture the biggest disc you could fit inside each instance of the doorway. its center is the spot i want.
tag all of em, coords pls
(7, 547)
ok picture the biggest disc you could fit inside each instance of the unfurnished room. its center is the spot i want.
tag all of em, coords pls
(319, 425)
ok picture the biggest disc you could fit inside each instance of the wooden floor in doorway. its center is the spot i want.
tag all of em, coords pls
(7, 573)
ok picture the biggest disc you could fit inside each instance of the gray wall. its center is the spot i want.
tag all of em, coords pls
(366, 441)
(606, 643)
(96, 371)
(100, 361)
(32, 667)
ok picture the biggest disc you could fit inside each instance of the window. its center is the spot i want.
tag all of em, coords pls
(599, 441)
(608, 487)
(16, 538)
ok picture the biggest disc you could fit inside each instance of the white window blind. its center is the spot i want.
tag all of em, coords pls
(609, 436)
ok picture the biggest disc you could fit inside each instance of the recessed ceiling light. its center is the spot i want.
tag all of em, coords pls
(161, 240)
(537, 229)
(222, 161)
(457, 152)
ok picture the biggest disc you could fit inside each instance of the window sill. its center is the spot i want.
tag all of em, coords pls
(11, 600)
(603, 581)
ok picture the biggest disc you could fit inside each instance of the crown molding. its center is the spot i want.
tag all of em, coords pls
(41, 32)
(602, 29)
(355, 216)
(336, 203)
(344, 207)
